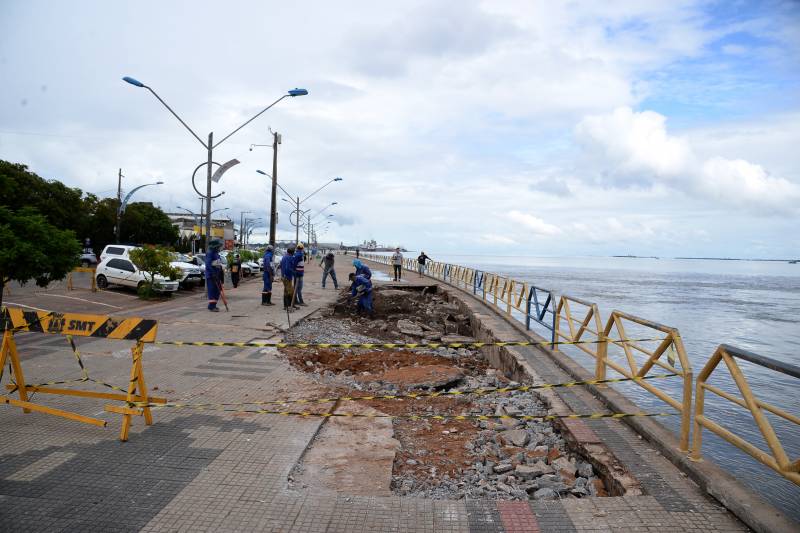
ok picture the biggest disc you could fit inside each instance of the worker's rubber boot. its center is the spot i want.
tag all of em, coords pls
(264, 298)
(269, 299)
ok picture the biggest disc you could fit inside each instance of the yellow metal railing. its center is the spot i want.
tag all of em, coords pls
(611, 346)
(580, 321)
(668, 345)
(777, 458)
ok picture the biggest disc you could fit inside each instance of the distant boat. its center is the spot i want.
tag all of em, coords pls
(794, 262)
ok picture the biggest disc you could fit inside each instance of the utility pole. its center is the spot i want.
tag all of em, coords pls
(297, 227)
(241, 229)
(273, 212)
(210, 147)
(119, 205)
(308, 229)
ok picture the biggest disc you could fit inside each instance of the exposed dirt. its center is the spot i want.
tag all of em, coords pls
(378, 364)
(440, 458)
(430, 446)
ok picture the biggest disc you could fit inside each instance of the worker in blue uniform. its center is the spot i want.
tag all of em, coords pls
(362, 269)
(361, 288)
(299, 272)
(287, 275)
(269, 274)
(213, 273)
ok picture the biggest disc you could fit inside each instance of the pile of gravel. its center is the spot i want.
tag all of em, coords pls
(513, 459)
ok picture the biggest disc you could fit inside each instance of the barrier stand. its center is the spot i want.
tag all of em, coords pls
(72, 324)
(82, 269)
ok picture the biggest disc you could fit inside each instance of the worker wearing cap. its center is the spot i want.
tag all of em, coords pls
(299, 272)
(213, 274)
(236, 270)
(269, 275)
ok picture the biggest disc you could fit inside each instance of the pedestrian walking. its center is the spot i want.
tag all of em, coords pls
(361, 287)
(299, 273)
(397, 264)
(236, 269)
(268, 276)
(421, 262)
(213, 274)
(287, 276)
(362, 269)
(328, 261)
(357, 253)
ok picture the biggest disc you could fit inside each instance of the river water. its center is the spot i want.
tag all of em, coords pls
(753, 305)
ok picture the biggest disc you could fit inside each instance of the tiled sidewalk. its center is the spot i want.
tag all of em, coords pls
(215, 471)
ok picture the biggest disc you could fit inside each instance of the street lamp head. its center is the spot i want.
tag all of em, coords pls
(133, 81)
(296, 92)
(262, 172)
(334, 203)
(159, 183)
(337, 179)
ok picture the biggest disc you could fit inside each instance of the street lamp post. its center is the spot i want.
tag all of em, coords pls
(273, 211)
(210, 145)
(297, 212)
(124, 204)
(241, 227)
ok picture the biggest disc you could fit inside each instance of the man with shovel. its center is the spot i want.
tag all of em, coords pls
(213, 274)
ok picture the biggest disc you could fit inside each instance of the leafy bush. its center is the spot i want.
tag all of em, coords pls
(153, 261)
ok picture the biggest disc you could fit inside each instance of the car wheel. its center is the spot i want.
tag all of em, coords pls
(102, 282)
(85, 264)
(139, 285)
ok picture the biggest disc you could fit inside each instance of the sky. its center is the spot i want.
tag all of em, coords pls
(501, 127)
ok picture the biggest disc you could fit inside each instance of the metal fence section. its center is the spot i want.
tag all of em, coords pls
(777, 458)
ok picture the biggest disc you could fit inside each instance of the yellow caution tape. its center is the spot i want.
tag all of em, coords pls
(426, 416)
(372, 345)
(417, 395)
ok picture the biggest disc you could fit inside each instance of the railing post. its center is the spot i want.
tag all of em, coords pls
(552, 299)
(602, 356)
(528, 309)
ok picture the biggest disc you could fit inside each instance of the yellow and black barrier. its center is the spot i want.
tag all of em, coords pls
(417, 395)
(139, 330)
(408, 345)
(82, 269)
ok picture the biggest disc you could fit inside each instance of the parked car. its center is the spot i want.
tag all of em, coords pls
(88, 258)
(190, 273)
(255, 268)
(121, 271)
(199, 260)
(115, 250)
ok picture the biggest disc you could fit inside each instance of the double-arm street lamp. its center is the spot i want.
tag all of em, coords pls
(297, 212)
(210, 145)
(124, 204)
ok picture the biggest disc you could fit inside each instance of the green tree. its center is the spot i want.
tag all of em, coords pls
(152, 261)
(62, 206)
(142, 222)
(34, 249)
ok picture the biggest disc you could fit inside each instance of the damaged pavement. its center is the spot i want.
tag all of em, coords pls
(429, 458)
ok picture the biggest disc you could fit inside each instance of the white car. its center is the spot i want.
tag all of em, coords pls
(254, 267)
(120, 271)
(116, 250)
(190, 274)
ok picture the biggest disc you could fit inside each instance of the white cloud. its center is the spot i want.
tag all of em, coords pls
(533, 224)
(635, 143)
(635, 146)
(740, 183)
